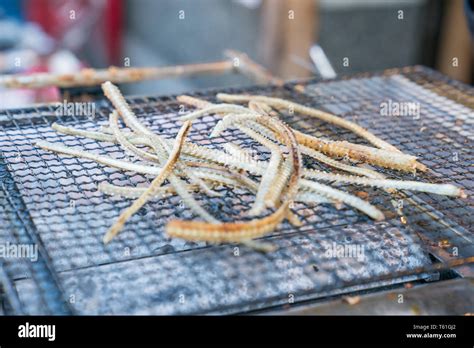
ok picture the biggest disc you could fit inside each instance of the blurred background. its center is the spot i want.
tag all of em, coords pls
(292, 38)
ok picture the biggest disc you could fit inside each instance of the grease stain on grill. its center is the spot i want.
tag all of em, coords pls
(165, 249)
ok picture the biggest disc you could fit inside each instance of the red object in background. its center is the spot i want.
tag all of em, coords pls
(54, 17)
(18, 98)
(113, 30)
(45, 94)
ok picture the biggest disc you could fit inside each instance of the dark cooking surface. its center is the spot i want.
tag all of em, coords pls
(53, 200)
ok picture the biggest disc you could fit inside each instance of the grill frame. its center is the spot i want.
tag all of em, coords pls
(50, 285)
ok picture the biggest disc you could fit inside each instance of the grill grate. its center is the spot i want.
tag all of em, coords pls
(52, 201)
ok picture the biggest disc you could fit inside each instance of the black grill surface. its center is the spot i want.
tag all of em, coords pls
(52, 201)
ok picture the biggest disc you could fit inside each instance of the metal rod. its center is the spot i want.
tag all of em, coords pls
(94, 77)
(246, 66)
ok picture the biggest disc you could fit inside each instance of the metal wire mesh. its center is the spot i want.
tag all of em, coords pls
(52, 201)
